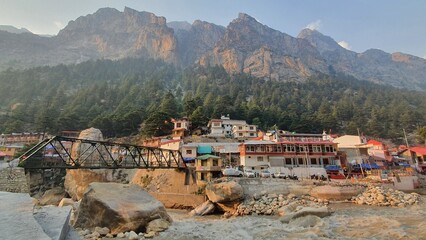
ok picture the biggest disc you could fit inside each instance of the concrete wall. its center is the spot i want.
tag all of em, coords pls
(253, 186)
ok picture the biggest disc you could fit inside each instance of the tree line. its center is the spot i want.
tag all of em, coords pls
(140, 96)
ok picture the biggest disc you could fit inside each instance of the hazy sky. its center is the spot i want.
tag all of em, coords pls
(390, 25)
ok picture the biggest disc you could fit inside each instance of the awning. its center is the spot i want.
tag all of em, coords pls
(207, 156)
(187, 159)
(370, 166)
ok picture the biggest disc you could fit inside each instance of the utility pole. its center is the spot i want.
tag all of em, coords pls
(405, 136)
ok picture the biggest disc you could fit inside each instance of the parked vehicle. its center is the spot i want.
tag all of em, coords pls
(280, 175)
(232, 172)
(265, 174)
(249, 174)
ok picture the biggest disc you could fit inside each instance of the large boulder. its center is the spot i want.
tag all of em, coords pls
(77, 180)
(119, 207)
(223, 192)
(79, 150)
(52, 196)
(338, 193)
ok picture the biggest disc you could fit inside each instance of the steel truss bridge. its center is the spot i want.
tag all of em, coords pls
(73, 153)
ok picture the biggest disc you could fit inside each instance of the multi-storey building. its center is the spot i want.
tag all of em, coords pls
(292, 151)
(226, 127)
(20, 138)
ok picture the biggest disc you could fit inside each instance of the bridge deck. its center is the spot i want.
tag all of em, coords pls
(73, 153)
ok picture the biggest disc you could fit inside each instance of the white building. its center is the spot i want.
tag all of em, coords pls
(226, 127)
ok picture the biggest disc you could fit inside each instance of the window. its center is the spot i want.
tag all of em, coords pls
(188, 151)
(251, 128)
(215, 162)
(178, 125)
(288, 161)
(240, 128)
(251, 134)
(314, 161)
(326, 161)
(300, 161)
(240, 134)
(260, 158)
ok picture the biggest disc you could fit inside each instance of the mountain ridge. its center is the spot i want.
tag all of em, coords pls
(245, 45)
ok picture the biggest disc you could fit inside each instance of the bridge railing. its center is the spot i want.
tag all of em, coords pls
(65, 152)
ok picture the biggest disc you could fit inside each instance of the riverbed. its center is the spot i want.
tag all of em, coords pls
(349, 221)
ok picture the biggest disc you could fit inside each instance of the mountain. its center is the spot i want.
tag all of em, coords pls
(396, 69)
(13, 29)
(251, 47)
(195, 41)
(112, 34)
(245, 45)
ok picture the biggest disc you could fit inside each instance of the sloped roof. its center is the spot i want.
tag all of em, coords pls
(374, 142)
(419, 150)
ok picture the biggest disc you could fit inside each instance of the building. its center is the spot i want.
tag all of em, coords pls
(208, 167)
(418, 157)
(355, 148)
(294, 151)
(229, 151)
(244, 131)
(20, 138)
(10, 144)
(226, 127)
(181, 127)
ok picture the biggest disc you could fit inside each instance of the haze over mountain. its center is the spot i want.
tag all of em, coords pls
(245, 45)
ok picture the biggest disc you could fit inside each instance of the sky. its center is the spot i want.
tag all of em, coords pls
(358, 25)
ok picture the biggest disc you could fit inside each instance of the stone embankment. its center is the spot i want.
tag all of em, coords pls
(13, 180)
(379, 196)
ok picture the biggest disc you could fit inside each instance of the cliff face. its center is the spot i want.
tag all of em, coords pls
(244, 46)
(248, 46)
(396, 69)
(112, 34)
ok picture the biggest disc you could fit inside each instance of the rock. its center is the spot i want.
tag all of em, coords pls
(320, 212)
(224, 192)
(103, 231)
(287, 209)
(120, 235)
(206, 208)
(109, 235)
(53, 196)
(66, 202)
(150, 235)
(133, 236)
(77, 180)
(157, 225)
(228, 206)
(337, 193)
(306, 221)
(84, 232)
(291, 196)
(119, 207)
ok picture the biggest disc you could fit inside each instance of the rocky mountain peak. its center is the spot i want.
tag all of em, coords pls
(322, 42)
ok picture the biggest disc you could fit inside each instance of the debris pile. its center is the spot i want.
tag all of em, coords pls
(379, 196)
(270, 204)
